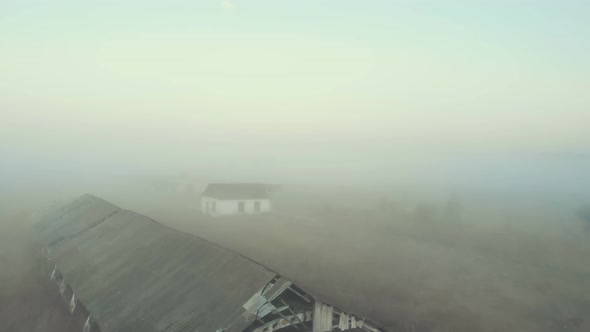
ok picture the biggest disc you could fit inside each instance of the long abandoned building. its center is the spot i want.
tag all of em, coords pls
(124, 272)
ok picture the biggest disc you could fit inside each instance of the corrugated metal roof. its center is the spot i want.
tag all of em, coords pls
(134, 274)
(237, 191)
(73, 218)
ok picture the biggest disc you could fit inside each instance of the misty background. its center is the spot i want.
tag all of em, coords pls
(441, 145)
(449, 93)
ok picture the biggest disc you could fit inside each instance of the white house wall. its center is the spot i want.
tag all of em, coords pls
(230, 207)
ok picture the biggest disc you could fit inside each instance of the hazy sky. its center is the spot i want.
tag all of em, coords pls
(184, 82)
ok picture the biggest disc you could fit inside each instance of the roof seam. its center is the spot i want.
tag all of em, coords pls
(91, 226)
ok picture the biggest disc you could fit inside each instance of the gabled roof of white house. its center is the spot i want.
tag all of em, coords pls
(237, 191)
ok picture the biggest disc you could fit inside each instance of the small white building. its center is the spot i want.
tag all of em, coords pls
(221, 199)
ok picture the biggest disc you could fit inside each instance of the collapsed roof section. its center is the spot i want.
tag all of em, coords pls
(130, 273)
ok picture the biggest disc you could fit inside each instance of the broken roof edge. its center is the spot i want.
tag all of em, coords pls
(309, 292)
(319, 298)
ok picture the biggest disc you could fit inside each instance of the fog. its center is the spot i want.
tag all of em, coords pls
(433, 158)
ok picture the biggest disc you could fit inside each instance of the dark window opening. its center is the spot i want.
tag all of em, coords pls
(241, 206)
(257, 206)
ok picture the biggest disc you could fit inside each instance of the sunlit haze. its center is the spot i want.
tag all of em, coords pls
(289, 86)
